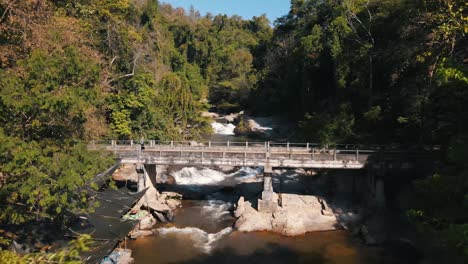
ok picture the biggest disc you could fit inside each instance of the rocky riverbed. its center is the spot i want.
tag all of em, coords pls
(243, 124)
(152, 208)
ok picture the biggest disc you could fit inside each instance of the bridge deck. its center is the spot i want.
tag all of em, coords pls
(298, 155)
(287, 155)
(253, 154)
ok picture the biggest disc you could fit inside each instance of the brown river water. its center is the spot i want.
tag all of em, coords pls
(202, 233)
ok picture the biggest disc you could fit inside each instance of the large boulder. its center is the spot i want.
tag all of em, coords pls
(173, 195)
(249, 127)
(240, 207)
(209, 115)
(298, 215)
(160, 216)
(233, 118)
(173, 203)
(196, 144)
(170, 180)
(245, 128)
(119, 255)
(251, 220)
(126, 172)
(147, 222)
(140, 233)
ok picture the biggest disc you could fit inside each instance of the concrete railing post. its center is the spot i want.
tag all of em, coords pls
(357, 154)
(209, 144)
(114, 146)
(246, 145)
(313, 153)
(172, 144)
(287, 146)
(307, 146)
(334, 154)
(228, 144)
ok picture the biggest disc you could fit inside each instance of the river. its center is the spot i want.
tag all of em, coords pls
(202, 230)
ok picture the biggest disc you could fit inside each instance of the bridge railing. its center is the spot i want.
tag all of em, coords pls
(273, 147)
(267, 146)
(279, 151)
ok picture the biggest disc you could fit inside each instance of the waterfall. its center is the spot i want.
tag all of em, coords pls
(205, 176)
(223, 129)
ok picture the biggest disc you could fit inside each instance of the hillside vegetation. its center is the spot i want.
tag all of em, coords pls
(348, 71)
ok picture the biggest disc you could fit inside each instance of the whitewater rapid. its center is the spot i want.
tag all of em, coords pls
(206, 176)
(214, 209)
(223, 129)
(201, 239)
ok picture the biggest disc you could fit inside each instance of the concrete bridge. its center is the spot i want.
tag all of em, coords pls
(269, 155)
(254, 154)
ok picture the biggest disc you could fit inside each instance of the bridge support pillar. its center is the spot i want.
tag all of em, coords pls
(377, 186)
(269, 201)
(151, 169)
(141, 177)
(379, 193)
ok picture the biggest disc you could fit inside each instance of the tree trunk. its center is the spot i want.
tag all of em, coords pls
(371, 80)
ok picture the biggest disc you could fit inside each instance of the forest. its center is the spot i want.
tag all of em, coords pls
(388, 72)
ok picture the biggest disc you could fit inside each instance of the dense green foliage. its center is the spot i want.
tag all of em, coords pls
(397, 66)
(68, 255)
(439, 206)
(76, 70)
(366, 71)
(381, 71)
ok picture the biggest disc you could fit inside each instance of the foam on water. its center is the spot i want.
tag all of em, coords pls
(223, 129)
(217, 209)
(194, 176)
(205, 176)
(262, 128)
(202, 240)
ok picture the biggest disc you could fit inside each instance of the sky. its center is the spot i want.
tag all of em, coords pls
(244, 8)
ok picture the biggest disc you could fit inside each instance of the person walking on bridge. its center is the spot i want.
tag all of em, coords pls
(142, 143)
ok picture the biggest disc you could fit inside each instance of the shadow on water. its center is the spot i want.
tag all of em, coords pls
(271, 253)
(335, 185)
(267, 247)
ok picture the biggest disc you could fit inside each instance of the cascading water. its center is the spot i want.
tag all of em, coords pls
(205, 222)
(205, 176)
(203, 240)
(223, 129)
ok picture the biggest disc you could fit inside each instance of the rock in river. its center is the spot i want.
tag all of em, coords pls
(298, 214)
